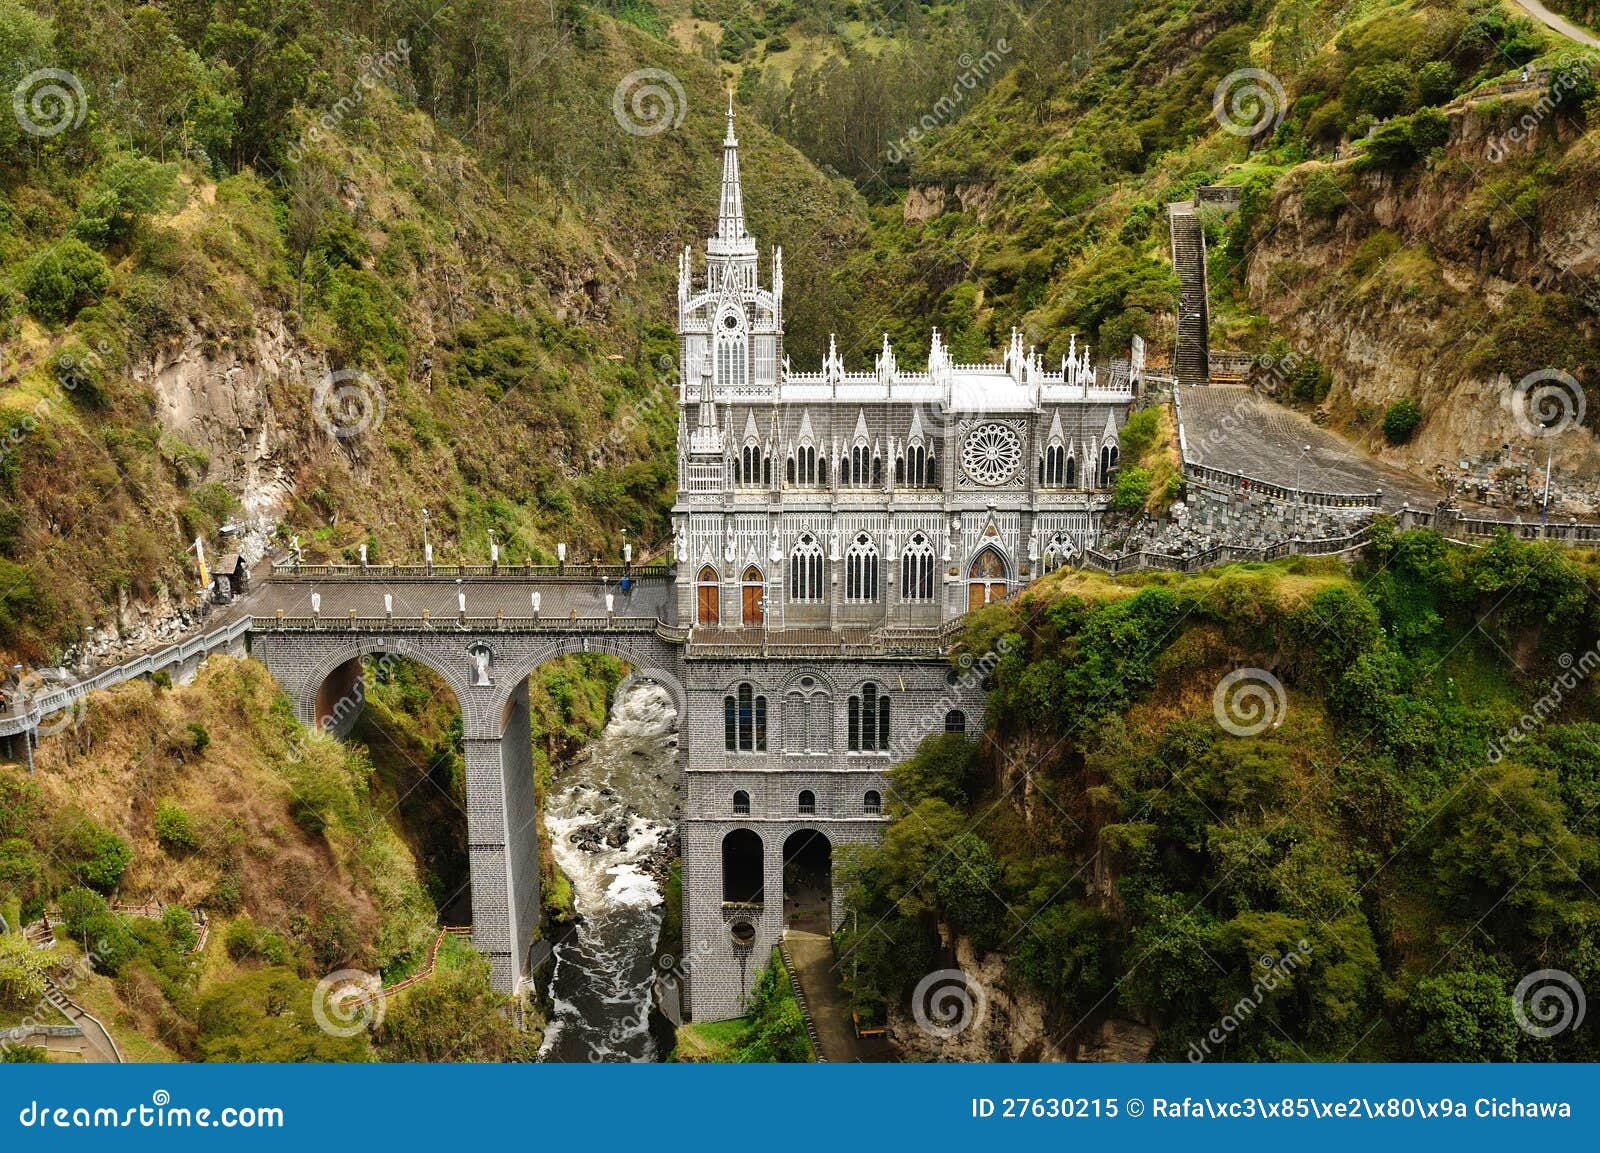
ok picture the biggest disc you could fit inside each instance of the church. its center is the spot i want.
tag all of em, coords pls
(828, 527)
(846, 500)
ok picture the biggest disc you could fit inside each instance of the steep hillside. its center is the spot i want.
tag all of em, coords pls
(348, 285)
(1405, 231)
(1269, 813)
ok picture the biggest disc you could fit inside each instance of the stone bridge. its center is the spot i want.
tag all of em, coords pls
(482, 634)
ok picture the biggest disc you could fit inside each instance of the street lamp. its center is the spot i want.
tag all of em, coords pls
(427, 548)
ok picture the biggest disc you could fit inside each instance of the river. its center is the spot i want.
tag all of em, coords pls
(611, 818)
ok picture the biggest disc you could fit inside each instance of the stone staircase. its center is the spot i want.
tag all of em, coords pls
(1191, 363)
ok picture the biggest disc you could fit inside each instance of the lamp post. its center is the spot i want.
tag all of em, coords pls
(427, 547)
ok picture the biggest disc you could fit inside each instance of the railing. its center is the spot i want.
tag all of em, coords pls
(1223, 554)
(461, 624)
(288, 570)
(1239, 482)
(27, 717)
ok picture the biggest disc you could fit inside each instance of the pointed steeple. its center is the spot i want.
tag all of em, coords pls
(731, 238)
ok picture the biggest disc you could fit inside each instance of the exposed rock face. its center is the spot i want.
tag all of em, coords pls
(1004, 1025)
(1475, 247)
(925, 201)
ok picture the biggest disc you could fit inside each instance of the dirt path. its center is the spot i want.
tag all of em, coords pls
(1557, 23)
(814, 966)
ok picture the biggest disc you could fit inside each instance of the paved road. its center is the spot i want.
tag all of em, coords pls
(1557, 23)
(1231, 427)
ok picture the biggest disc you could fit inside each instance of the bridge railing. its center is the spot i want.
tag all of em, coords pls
(25, 715)
(453, 624)
(288, 570)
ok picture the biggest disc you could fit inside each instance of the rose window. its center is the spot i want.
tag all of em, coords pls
(991, 454)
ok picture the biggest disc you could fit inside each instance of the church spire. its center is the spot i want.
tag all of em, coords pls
(731, 238)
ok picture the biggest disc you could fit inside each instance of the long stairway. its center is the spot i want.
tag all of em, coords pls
(1192, 361)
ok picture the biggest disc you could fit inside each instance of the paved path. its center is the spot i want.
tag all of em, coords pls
(1233, 428)
(1557, 23)
(98, 1045)
(814, 966)
(513, 597)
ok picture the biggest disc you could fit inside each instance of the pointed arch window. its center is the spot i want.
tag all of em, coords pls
(1053, 468)
(1108, 462)
(803, 465)
(805, 570)
(916, 570)
(732, 356)
(861, 570)
(744, 720)
(751, 465)
(911, 467)
(867, 720)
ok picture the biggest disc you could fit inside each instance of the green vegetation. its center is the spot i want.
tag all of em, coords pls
(1380, 815)
(1400, 420)
(774, 1029)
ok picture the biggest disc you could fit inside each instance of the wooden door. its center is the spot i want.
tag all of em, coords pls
(752, 604)
(707, 614)
(980, 593)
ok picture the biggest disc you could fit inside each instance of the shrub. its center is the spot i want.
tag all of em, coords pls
(65, 278)
(90, 921)
(95, 856)
(22, 970)
(1133, 489)
(243, 939)
(175, 831)
(1400, 420)
(178, 923)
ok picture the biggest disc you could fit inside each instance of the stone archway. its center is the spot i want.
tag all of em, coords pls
(808, 881)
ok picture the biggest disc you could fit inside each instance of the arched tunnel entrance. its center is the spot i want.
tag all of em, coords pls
(808, 882)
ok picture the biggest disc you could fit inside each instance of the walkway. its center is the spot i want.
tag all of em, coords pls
(1557, 23)
(814, 966)
(98, 1045)
(1224, 426)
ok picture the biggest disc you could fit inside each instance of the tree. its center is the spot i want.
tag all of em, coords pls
(454, 1016)
(1463, 1014)
(22, 970)
(1400, 420)
(65, 278)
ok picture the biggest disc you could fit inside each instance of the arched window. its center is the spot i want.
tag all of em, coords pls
(861, 570)
(741, 803)
(707, 596)
(1072, 473)
(803, 465)
(877, 471)
(955, 721)
(872, 803)
(911, 468)
(805, 569)
(807, 802)
(1054, 466)
(789, 471)
(744, 720)
(822, 470)
(916, 570)
(867, 719)
(731, 359)
(1108, 461)
(742, 873)
(807, 717)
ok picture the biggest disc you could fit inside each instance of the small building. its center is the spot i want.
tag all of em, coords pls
(230, 578)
